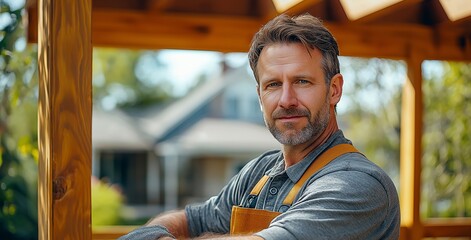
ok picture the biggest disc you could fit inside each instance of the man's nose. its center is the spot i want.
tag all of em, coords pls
(288, 98)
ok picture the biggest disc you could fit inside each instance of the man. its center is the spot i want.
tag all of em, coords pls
(317, 186)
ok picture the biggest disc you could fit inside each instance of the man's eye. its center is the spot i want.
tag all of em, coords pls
(273, 84)
(302, 81)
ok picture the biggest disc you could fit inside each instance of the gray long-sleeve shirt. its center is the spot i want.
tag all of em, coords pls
(350, 198)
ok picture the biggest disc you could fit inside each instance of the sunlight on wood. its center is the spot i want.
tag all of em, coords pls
(44, 129)
(283, 5)
(65, 114)
(356, 9)
(411, 141)
(456, 9)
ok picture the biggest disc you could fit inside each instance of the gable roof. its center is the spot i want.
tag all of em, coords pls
(117, 130)
(185, 124)
(223, 136)
(186, 111)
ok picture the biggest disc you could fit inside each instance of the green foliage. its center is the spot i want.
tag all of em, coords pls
(375, 129)
(18, 211)
(447, 136)
(128, 78)
(107, 203)
(372, 116)
(18, 137)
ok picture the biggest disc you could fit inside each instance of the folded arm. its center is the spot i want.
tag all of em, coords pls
(176, 224)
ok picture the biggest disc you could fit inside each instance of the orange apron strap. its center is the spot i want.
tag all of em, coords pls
(256, 190)
(324, 159)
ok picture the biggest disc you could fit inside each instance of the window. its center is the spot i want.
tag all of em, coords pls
(128, 170)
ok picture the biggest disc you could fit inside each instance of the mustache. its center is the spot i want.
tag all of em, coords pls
(290, 112)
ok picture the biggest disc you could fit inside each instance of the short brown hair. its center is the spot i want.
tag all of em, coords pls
(304, 29)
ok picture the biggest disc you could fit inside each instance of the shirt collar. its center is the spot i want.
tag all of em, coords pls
(279, 167)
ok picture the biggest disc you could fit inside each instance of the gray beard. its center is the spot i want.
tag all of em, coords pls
(313, 130)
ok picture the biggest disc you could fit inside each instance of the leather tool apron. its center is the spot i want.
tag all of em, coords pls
(251, 220)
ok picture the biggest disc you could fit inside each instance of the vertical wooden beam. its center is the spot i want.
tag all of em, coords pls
(411, 148)
(65, 111)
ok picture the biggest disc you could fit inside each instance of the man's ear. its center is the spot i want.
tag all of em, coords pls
(336, 88)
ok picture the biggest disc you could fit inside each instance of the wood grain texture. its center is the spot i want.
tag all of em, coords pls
(411, 148)
(148, 30)
(447, 227)
(176, 31)
(110, 232)
(65, 111)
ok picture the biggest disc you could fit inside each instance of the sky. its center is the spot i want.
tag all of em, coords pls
(179, 68)
(15, 4)
(184, 66)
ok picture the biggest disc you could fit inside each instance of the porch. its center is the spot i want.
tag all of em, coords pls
(66, 32)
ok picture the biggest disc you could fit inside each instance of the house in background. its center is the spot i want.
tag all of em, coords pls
(164, 158)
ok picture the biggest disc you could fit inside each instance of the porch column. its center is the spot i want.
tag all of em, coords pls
(170, 157)
(64, 119)
(411, 149)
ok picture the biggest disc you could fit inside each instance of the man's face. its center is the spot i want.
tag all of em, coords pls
(293, 93)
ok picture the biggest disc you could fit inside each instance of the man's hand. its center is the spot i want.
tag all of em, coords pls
(174, 221)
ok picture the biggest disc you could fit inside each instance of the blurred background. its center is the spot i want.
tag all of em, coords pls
(171, 127)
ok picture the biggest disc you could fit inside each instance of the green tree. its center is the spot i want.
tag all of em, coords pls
(372, 120)
(446, 174)
(129, 78)
(372, 103)
(18, 133)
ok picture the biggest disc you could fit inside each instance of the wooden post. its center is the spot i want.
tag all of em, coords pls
(64, 118)
(411, 150)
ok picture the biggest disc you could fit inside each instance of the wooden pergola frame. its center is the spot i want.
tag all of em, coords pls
(65, 100)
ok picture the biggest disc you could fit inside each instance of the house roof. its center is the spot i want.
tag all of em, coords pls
(117, 130)
(160, 124)
(223, 136)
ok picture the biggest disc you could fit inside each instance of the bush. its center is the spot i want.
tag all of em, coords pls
(107, 203)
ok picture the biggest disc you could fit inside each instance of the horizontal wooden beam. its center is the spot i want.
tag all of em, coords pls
(396, 41)
(147, 30)
(452, 227)
(157, 5)
(449, 227)
(110, 232)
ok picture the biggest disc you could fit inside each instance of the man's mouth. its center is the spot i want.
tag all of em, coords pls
(289, 118)
(289, 114)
